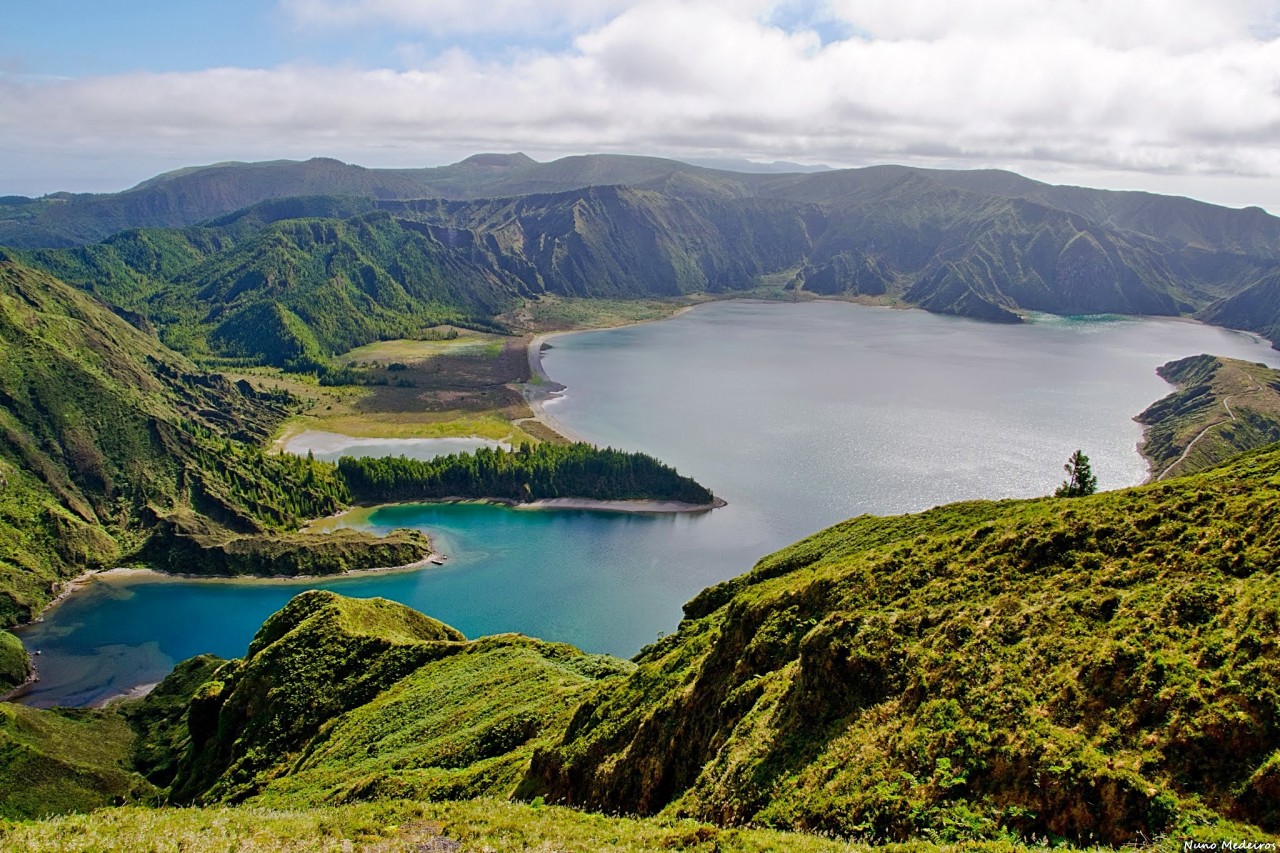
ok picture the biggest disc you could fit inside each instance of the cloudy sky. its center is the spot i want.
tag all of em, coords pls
(1176, 96)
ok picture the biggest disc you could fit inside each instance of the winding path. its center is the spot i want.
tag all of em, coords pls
(1226, 404)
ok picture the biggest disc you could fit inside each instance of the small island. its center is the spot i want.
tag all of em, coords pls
(577, 475)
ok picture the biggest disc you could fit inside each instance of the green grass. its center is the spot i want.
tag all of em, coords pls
(559, 313)
(482, 826)
(406, 350)
(15, 665)
(414, 425)
(63, 761)
(459, 727)
(406, 826)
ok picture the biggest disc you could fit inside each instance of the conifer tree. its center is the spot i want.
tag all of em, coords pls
(1080, 478)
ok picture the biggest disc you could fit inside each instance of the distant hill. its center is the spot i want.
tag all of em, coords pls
(295, 261)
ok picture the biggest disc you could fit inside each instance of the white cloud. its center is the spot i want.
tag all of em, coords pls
(1075, 86)
(454, 16)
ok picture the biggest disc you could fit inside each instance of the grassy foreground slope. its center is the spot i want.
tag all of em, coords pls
(1099, 669)
(73, 759)
(344, 699)
(405, 826)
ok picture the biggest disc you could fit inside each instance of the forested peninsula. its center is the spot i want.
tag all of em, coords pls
(531, 473)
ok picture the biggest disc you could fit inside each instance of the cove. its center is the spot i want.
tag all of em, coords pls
(799, 415)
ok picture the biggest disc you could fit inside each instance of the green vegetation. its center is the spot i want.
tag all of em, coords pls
(15, 665)
(203, 549)
(557, 313)
(341, 700)
(403, 826)
(65, 760)
(1080, 478)
(290, 295)
(107, 438)
(381, 254)
(1101, 668)
(1222, 407)
(1096, 670)
(529, 474)
(160, 720)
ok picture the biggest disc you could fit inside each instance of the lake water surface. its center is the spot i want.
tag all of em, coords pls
(332, 446)
(798, 415)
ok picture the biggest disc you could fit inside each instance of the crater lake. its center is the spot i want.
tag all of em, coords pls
(799, 415)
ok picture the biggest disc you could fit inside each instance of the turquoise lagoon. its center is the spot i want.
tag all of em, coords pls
(799, 415)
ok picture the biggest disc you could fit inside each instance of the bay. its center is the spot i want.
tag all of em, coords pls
(800, 415)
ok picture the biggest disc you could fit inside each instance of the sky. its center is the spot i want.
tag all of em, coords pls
(1171, 96)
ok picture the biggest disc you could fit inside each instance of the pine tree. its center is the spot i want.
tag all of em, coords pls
(1080, 478)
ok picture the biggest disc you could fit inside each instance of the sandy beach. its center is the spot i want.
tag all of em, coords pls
(544, 389)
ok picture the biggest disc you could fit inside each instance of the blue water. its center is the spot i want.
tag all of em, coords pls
(799, 415)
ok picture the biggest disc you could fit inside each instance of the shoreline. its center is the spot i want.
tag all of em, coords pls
(121, 573)
(545, 389)
(637, 505)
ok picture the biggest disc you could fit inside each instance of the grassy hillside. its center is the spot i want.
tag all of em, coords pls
(405, 826)
(1222, 407)
(1098, 668)
(341, 699)
(107, 437)
(65, 760)
(290, 292)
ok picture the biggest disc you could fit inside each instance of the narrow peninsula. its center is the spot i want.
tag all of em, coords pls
(1223, 407)
(576, 475)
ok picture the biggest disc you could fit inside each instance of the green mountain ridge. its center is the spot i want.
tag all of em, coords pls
(289, 281)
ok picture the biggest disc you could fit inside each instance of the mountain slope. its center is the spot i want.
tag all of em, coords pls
(354, 255)
(107, 439)
(345, 699)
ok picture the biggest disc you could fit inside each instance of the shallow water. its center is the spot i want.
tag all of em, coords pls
(798, 415)
(331, 446)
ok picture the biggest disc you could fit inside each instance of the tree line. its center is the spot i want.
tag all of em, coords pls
(528, 474)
